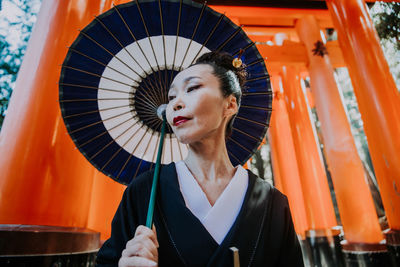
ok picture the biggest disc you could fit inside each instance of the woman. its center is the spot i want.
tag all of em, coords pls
(205, 205)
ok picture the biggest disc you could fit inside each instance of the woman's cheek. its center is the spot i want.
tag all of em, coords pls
(169, 115)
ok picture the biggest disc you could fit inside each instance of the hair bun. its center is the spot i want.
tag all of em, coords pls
(224, 60)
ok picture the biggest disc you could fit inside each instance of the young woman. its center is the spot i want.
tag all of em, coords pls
(204, 205)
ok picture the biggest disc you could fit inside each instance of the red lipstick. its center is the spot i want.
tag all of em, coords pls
(180, 120)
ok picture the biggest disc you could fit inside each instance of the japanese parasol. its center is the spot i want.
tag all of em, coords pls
(117, 74)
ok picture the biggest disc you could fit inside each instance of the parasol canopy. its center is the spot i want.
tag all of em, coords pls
(118, 71)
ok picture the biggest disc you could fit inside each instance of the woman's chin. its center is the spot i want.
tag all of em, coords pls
(183, 140)
(186, 139)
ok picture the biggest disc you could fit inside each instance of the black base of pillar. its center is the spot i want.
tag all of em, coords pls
(365, 255)
(325, 248)
(47, 246)
(393, 245)
(306, 251)
(71, 260)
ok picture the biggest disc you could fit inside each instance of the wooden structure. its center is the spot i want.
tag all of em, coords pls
(45, 181)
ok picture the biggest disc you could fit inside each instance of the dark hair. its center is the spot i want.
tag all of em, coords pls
(231, 79)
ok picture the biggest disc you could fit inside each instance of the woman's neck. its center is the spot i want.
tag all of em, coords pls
(208, 160)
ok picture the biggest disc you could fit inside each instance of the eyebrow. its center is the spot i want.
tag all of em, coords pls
(188, 79)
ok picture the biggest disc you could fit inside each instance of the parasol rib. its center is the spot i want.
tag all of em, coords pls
(105, 49)
(89, 99)
(257, 93)
(153, 97)
(141, 158)
(105, 65)
(254, 107)
(252, 137)
(131, 154)
(179, 148)
(145, 104)
(151, 43)
(170, 143)
(124, 48)
(140, 47)
(94, 88)
(165, 54)
(120, 149)
(113, 156)
(105, 132)
(230, 38)
(194, 32)
(255, 62)
(155, 150)
(108, 144)
(243, 49)
(236, 142)
(93, 111)
(94, 74)
(253, 121)
(176, 39)
(258, 78)
(97, 122)
(233, 156)
(208, 37)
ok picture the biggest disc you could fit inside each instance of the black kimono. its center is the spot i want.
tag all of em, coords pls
(263, 230)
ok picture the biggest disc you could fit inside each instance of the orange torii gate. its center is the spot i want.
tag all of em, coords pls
(45, 181)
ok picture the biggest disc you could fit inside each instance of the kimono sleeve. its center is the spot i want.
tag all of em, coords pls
(123, 229)
(290, 254)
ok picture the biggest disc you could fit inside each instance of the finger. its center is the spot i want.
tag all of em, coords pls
(141, 229)
(155, 234)
(141, 250)
(147, 245)
(141, 237)
(137, 262)
(143, 232)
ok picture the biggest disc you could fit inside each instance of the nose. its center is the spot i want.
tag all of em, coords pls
(177, 107)
(178, 104)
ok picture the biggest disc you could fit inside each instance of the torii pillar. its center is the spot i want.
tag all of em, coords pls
(318, 202)
(44, 180)
(378, 100)
(356, 207)
(284, 161)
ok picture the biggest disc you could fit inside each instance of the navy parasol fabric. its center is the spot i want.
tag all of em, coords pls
(118, 71)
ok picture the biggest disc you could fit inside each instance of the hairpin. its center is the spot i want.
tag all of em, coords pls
(237, 61)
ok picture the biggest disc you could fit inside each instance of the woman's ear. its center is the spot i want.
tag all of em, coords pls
(231, 106)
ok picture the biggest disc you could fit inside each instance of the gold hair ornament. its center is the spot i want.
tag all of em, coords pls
(237, 61)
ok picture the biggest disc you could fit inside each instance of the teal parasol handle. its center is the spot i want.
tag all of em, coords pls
(150, 211)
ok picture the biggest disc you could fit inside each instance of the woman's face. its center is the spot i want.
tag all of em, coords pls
(197, 109)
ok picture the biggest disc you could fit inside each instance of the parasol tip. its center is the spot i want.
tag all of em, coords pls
(161, 111)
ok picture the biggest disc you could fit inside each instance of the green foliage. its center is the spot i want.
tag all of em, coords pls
(387, 22)
(386, 18)
(16, 23)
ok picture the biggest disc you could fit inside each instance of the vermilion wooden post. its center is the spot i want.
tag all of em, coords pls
(319, 208)
(377, 96)
(105, 198)
(378, 101)
(318, 203)
(44, 180)
(356, 207)
(274, 160)
(285, 162)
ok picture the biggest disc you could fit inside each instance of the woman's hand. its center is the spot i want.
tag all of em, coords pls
(141, 250)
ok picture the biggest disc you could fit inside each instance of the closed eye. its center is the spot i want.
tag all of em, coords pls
(191, 88)
(171, 97)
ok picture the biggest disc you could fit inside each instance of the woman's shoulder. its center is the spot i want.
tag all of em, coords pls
(278, 198)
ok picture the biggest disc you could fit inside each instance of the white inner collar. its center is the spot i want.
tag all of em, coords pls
(217, 219)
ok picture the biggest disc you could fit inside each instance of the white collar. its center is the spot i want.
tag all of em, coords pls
(217, 219)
